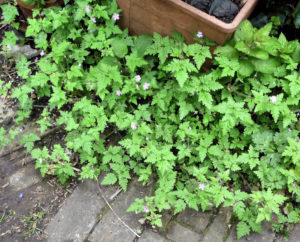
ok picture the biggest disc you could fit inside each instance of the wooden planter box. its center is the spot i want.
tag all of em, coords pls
(165, 16)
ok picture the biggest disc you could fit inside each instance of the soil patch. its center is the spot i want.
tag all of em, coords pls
(27, 201)
(225, 10)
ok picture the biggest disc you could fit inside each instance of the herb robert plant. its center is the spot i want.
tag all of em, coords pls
(225, 137)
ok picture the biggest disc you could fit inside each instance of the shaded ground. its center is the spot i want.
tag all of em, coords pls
(27, 202)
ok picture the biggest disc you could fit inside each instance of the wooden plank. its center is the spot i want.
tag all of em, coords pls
(125, 14)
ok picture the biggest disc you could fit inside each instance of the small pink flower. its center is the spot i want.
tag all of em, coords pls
(93, 20)
(137, 86)
(146, 209)
(200, 34)
(133, 125)
(118, 92)
(116, 16)
(146, 86)
(87, 9)
(290, 130)
(273, 99)
(42, 53)
(138, 78)
(201, 186)
(147, 138)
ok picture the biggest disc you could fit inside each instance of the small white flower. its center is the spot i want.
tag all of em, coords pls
(273, 99)
(118, 92)
(138, 78)
(201, 186)
(200, 34)
(41, 160)
(146, 86)
(116, 16)
(133, 125)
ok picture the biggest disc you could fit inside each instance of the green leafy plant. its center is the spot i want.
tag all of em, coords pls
(296, 15)
(228, 136)
(32, 221)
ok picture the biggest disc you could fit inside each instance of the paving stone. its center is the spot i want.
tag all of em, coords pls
(197, 220)
(110, 229)
(266, 236)
(178, 233)
(150, 236)
(24, 177)
(6, 112)
(166, 217)
(217, 230)
(295, 235)
(79, 214)
(24, 129)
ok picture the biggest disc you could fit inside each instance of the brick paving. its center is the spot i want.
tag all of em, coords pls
(189, 226)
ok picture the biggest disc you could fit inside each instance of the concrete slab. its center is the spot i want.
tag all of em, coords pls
(218, 229)
(150, 236)
(295, 234)
(197, 220)
(24, 177)
(110, 229)
(178, 233)
(79, 214)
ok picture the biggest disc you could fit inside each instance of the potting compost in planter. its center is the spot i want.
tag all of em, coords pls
(165, 16)
(225, 10)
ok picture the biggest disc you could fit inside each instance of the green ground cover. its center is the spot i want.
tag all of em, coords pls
(223, 136)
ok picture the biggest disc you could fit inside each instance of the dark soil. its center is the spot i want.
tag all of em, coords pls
(25, 213)
(225, 10)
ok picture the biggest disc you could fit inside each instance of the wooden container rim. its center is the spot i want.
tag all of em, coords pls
(212, 20)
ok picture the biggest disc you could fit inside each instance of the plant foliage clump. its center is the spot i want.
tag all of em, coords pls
(227, 136)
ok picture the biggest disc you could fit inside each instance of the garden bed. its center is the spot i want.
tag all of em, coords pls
(227, 137)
